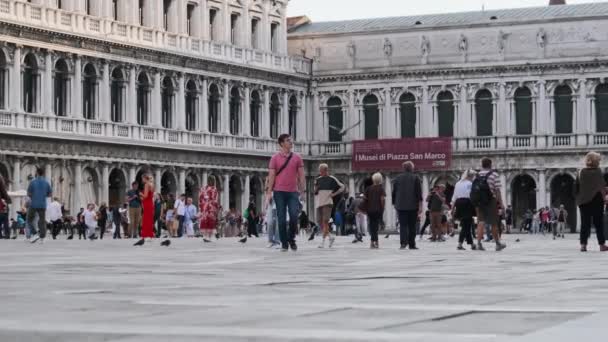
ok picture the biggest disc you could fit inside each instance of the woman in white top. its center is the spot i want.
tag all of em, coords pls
(463, 209)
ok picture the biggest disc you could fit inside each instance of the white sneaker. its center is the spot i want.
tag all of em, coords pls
(34, 238)
(271, 245)
(331, 241)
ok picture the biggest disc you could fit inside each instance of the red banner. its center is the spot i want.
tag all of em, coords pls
(428, 154)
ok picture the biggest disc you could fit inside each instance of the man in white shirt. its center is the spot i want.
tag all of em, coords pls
(55, 217)
(90, 220)
(463, 209)
(180, 210)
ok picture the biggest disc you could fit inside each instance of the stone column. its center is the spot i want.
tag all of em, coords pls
(388, 120)
(265, 122)
(205, 179)
(48, 172)
(77, 202)
(226, 192)
(77, 89)
(503, 187)
(245, 27)
(541, 199)
(132, 175)
(225, 109)
(47, 89)
(542, 114)
(181, 103)
(425, 185)
(302, 118)
(105, 184)
(156, 101)
(351, 186)
(284, 120)
(204, 112)
(425, 113)
(246, 193)
(389, 219)
(316, 124)
(582, 110)
(104, 93)
(158, 175)
(182, 182)
(247, 111)
(131, 115)
(15, 90)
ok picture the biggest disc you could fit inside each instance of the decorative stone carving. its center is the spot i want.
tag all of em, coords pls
(388, 48)
(425, 48)
(502, 41)
(541, 38)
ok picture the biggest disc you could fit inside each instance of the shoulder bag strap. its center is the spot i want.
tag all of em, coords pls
(284, 164)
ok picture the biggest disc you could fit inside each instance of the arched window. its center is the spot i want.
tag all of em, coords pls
(484, 110)
(167, 96)
(117, 98)
(30, 80)
(235, 111)
(372, 117)
(61, 86)
(143, 99)
(3, 81)
(523, 111)
(275, 110)
(407, 107)
(191, 105)
(255, 113)
(601, 108)
(89, 92)
(563, 110)
(293, 117)
(214, 109)
(445, 109)
(335, 117)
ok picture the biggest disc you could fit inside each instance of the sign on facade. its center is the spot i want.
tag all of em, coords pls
(428, 154)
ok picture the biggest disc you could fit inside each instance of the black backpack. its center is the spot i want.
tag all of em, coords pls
(480, 191)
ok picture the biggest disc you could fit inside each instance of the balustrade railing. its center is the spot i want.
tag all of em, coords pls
(77, 23)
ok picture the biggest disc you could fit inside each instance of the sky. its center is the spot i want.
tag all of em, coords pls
(330, 10)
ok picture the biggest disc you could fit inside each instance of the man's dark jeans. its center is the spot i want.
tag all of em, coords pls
(180, 229)
(407, 224)
(287, 201)
(57, 225)
(31, 216)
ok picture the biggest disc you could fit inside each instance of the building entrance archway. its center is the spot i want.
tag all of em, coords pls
(562, 192)
(523, 190)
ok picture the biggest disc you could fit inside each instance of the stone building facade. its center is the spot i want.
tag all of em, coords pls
(96, 91)
(526, 87)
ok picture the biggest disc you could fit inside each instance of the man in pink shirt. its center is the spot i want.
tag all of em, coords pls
(285, 183)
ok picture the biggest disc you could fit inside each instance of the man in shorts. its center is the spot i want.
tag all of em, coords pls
(488, 213)
(326, 188)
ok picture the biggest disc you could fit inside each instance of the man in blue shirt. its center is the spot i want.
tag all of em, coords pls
(38, 191)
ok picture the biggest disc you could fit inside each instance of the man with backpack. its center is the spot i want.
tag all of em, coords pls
(486, 197)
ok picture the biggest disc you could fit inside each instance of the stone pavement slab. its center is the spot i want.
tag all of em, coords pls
(535, 290)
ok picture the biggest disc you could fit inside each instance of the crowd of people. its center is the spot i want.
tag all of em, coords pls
(476, 210)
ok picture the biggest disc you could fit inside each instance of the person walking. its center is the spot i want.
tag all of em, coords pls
(326, 189)
(485, 195)
(147, 205)
(209, 209)
(590, 195)
(180, 209)
(286, 183)
(190, 217)
(407, 200)
(562, 218)
(134, 210)
(375, 201)
(358, 206)
(252, 220)
(508, 218)
(158, 209)
(38, 191)
(169, 213)
(463, 209)
(116, 218)
(90, 221)
(436, 200)
(103, 219)
(55, 217)
(5, 200)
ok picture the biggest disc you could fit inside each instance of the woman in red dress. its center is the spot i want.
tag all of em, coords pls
(208, 205)
(147, 200)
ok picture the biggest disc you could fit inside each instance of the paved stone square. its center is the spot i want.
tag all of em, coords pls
(69, 291)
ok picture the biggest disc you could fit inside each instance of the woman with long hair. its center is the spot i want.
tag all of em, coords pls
(146, 194)
(208, 206)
